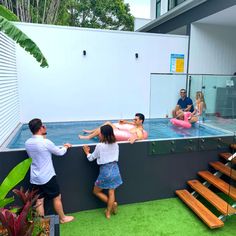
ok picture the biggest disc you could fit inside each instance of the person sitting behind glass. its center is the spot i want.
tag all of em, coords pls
(200, 107)
(184, 104)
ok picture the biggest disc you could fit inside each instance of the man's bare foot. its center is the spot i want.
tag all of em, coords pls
(114, 208)
(87, 131)
(66, 219)
(107, 214)
(83, 137)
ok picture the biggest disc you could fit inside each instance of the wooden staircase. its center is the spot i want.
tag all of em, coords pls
(202, 189)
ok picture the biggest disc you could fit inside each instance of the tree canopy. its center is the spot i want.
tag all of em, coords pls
(104, 14)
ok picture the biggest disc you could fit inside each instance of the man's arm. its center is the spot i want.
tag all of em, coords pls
(188, 108)
(122, 122)
(178, 107)
(56, 150)
(138, 136)
(189, 104)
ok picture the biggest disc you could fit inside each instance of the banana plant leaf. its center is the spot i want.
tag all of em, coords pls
(13, 178)
(4, 12)
(5, 201)
(23, 40)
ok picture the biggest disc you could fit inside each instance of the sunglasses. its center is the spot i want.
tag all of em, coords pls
(182, 92)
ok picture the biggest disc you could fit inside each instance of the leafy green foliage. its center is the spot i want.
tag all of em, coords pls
(23, 40)
(20, 222)
(64, 15)
(104, 14)
(4, 12)
(16, 175)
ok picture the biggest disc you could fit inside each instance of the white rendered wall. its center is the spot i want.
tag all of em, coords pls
(212, 49)
(165, 93)
(140, 22)
(107, 83)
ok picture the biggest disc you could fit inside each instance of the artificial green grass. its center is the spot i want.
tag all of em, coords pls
(155, 218)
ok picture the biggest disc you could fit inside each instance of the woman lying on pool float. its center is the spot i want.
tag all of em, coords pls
(124, 130)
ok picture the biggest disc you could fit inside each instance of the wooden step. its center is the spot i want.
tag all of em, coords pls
(219, 183)
(221, 205)
(226, 155)
(204, 213)
(224, 169)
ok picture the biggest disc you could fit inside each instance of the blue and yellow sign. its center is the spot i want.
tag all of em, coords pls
(177, 63)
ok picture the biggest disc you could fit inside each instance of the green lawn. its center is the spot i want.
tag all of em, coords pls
(159, 218)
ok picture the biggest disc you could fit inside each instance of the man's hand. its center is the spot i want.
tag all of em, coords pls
(86, 149)
(67, 145)
(121, 122)
(132, 140)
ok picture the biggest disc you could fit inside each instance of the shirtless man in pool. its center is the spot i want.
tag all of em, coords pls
(135, 133)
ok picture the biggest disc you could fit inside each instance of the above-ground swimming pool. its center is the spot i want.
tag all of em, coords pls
(158, 129)
(159, 165)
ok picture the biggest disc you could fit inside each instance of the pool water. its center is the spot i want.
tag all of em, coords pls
(158, 129)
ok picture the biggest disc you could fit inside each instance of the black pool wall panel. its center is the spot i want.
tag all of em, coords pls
(146, 176)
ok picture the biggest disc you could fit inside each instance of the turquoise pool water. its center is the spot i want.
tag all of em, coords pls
(158, 129)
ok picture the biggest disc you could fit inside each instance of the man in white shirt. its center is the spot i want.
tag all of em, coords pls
(42, 173)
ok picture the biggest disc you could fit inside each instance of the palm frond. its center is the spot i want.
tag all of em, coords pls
(4, 12)
(23, 40)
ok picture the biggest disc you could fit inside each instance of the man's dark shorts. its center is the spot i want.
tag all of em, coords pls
(49, 190)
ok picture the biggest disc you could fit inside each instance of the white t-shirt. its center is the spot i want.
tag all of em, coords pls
(105, 153)
(41, 150)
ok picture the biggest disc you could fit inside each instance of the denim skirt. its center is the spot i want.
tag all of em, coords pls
(109, 176)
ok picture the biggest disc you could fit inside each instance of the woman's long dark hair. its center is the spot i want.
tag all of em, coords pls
(107, 134)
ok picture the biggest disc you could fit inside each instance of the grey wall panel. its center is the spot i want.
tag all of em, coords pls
(146, 177)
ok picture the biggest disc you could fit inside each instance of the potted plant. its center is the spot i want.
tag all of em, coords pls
(20, 221)
(23, 221)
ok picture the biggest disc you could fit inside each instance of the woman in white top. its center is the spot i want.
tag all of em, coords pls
(106, 153)
(199, 108)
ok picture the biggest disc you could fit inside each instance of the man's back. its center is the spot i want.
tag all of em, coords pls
(40, 150)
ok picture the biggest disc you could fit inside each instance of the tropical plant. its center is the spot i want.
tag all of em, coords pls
(16, 175)
(19, 37)
(8, 14)
(21, 223)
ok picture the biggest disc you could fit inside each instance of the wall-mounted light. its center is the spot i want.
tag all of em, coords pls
(84, 52)
(136, 55)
